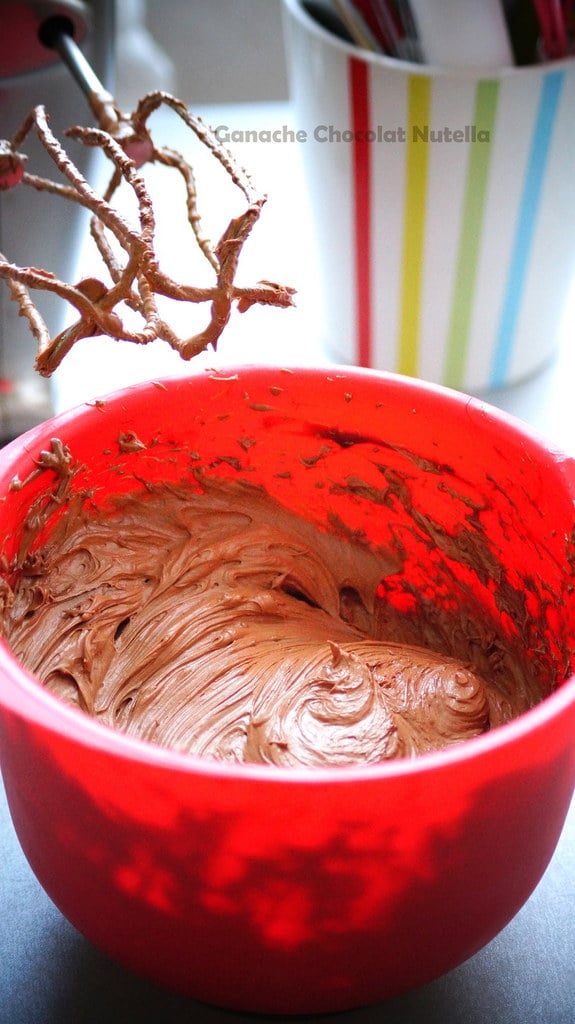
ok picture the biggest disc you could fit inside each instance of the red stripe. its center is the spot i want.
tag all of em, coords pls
(358, 82)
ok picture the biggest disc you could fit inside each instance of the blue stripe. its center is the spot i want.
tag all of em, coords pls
(532, 189)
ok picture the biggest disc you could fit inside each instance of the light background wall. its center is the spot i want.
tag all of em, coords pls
(222, 50)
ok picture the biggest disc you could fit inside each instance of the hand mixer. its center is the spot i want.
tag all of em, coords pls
(135, 279)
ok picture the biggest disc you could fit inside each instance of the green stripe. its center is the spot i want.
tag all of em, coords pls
(486, 98)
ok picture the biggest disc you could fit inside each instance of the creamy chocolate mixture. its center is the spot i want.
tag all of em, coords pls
(218, 623)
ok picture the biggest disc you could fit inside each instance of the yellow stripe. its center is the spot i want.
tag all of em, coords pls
(416, 171)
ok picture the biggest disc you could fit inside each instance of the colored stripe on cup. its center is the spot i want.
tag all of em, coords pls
(416, 174)
(485, 110)
(362, 206)
(530, 200)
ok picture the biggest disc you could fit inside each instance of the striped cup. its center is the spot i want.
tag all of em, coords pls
(444, 207)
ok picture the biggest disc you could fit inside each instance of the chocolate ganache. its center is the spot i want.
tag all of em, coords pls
(218, 623)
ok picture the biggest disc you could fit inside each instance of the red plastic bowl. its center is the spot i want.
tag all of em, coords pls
(300, 891)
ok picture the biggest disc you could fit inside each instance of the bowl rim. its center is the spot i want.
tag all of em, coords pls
(38, 706)
(23, 695)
